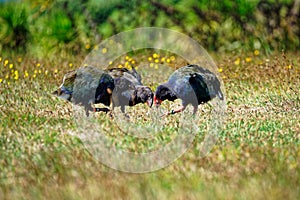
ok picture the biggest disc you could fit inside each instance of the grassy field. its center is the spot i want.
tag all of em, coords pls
(257, 154)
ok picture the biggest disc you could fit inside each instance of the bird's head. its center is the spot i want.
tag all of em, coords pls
(61, 92)
(65, 90)
(163, 93)
(144, 94)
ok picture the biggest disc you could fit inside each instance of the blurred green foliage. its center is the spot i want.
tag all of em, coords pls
(46, 27)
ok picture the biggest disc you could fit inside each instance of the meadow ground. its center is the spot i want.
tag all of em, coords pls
(257, 154)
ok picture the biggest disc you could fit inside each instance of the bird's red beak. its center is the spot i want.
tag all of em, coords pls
(157, 101)
(150, 102)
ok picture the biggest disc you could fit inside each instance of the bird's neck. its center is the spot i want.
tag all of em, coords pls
(132, 100)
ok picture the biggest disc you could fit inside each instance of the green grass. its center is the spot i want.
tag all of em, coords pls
(257, 154)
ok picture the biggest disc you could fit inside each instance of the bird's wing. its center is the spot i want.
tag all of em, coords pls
(179, 84)
(211, 80)
(90, 86)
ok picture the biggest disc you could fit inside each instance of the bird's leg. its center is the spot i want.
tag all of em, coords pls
(195, 110)
(111, 106)
(123, 112)
(89, 108)
(123, 109)
(87, 112)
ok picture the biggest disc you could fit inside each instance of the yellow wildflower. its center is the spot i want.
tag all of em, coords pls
(110, 62)
(220, 70)
(35, 71)
(126, 64)
(55, 71)
(46, 72)
(126, 57)
(1, 80)
(256, 52)
(172, 58)
(151, 65)
(156, 67)
(237, 61)
(120, 66)
(34, 75)
(70, 64)
(111, 41)
(5, 62)
(40, 71)
(162, 59)
(11, 66)
(8, 83)
(19, 60)
(289, 66)
(38, 64)
(0, 59)
(104, 50)
(87, 46)
(26, 74)
(168, 60)
(155, 55)
(7, 76)
(133, 62)
(156, 60)
(248, 59)
(150, 58)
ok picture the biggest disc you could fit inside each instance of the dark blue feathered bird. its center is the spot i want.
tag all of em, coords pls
(129, 89)
(192, 84)
(113, 87)
(87, 86)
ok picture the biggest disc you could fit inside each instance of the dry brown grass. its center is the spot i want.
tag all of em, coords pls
(257, 155)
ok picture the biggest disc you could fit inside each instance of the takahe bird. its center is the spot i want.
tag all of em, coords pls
(192, 84)
(115, 87)
(87, 86)
(129, 89)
